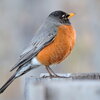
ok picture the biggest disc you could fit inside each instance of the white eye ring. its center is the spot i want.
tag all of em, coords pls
(63, 15)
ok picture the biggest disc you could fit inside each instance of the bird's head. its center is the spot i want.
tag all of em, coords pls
(60, 16)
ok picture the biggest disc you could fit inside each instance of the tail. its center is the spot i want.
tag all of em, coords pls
(20, 71)
(11, 79)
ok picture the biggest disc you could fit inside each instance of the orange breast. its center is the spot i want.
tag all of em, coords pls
(60, 48)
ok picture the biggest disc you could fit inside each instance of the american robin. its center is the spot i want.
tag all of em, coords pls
(51, 44)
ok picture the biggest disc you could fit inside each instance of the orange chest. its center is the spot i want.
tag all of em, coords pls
(62, 45)
(66, 37)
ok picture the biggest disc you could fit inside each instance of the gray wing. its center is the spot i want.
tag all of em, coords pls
(43, 37)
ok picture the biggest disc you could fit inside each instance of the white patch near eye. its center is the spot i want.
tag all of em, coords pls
(63, 15)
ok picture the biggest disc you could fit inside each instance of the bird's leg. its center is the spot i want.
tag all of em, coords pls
(50, 74)
(52, 71)
(55, 75)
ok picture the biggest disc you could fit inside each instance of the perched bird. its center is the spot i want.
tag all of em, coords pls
(51, 44)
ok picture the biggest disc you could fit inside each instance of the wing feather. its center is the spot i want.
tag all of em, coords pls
(39, 41)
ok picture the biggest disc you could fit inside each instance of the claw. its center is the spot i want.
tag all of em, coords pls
(53, 76)
(57, 76)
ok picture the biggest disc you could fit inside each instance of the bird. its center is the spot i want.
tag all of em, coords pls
(50, 45)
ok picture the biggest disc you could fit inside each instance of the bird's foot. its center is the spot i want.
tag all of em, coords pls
(44, 76)
(53, 76)
(57, 76)
(50, 76)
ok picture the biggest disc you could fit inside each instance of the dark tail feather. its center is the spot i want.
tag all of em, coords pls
(11, 79)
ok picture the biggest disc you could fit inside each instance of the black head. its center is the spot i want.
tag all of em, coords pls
(61, 16)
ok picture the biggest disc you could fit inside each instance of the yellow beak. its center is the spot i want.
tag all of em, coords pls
(71, 15)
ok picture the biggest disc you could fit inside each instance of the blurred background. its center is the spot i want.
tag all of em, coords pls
(19, 19)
